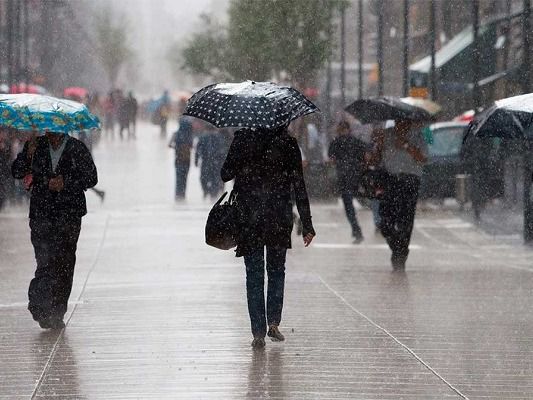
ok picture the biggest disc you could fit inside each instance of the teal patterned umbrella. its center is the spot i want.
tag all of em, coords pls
(34, 112)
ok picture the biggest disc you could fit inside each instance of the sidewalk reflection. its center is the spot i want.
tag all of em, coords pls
(265, 374)
(61, 379)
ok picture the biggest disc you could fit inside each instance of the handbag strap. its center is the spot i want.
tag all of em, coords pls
(221, 198)
(232, 197)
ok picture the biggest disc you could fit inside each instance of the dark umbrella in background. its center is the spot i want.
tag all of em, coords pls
(263, 105)
(387, 108)
(510, 118)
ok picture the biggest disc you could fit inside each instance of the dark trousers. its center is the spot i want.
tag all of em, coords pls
(210, 180)
(255, 287)
(397, 212)
(182, 170)
(55, 245)
(347, 199)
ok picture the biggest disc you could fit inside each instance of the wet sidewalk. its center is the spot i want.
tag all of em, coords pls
(156, 314)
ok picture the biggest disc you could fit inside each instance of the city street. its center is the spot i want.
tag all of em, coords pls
(157, 314)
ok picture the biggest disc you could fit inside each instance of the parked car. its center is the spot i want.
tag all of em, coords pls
(445, 161)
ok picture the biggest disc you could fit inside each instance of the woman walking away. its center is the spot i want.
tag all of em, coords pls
(266, 166)
(403, 153)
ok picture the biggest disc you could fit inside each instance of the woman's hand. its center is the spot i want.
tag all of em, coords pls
(308, 239)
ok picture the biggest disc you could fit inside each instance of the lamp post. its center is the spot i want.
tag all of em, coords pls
(405, 48)
(360, 48)
(343, 56)
(526, 84)
(476, 100)
(379, 52)
(432, 38)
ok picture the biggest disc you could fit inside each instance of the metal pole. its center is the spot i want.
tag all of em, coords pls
(328, 92)
(508, 6)
(26, 43)
(405, 48)
(476, 100)
(343, 56)
(9, 22)
(526, 37)
(432, 38)
(18, 43)
(360, 48)
(3, 40)
(526, 79)
(380, 48)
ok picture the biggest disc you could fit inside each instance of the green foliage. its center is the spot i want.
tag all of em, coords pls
(204, 51)
(284, 39)
(112, 42)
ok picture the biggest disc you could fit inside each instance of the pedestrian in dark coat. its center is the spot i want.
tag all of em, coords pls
(209, 151)
(403, 153)
(58, 169)
(348, 153)
(266, 166)
(182, 143)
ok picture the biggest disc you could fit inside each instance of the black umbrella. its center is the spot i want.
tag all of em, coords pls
(510, 118)
(386, 108)
(249, 104)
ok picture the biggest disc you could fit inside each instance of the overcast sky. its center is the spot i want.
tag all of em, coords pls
(155, 25)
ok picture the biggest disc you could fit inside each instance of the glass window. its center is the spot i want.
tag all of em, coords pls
(446, 141)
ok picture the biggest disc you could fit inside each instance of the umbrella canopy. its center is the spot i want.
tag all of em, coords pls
(24, 88)
(428, 105)
(75, 91)
(386, 108)
(467, 116)
(33, 112)
(249, 104)
(510, 118)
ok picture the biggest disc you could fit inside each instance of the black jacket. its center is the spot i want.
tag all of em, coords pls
(267, 167)
(348, 153)
(79, 174)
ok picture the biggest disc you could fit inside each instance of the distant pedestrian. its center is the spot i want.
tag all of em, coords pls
(5, 177)
(132, 109)
(210, 153)
(109, 109)
(478, 160)
(181, 142)
(266, 166)
(163, 112)
(348, 153)
(58, 169)
(123, 115)
(403, 153)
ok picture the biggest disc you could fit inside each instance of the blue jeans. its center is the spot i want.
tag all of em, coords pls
(255, 287)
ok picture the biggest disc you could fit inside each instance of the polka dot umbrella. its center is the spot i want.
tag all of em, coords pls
(262, 105)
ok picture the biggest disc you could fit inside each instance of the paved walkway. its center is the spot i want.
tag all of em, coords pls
(156, 314)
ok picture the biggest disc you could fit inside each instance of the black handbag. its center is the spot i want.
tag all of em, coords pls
(373, 183)
(222, 226)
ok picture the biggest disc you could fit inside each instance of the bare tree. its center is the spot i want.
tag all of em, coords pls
(112, 42)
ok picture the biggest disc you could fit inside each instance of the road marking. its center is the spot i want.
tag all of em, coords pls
(386, 332)
(359, 246)
(327, 224)
(25, 304)
(55, 347)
